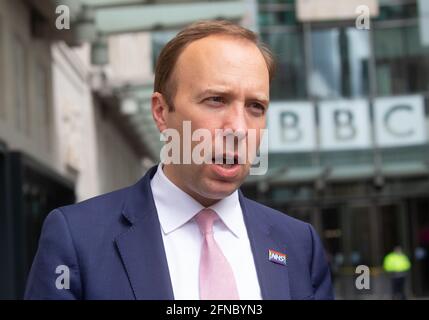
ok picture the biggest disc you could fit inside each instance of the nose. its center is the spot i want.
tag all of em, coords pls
(236, 121)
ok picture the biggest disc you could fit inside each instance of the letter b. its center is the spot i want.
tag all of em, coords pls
(344, 128)
(289, 123)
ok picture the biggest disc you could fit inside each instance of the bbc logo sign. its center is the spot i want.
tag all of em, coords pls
(346, 124)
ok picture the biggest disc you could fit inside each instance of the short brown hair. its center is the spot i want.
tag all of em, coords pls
(198, 30)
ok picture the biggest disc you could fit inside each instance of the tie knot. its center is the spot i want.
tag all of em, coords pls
(205, 219)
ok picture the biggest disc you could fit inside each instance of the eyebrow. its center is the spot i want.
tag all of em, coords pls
(229, 93)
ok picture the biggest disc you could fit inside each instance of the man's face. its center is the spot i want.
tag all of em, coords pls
(222, 83)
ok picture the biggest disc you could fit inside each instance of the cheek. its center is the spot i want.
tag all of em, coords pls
(261, 129)
(173, 122)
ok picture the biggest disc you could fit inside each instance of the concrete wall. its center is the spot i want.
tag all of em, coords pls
(26, 109)
(91, 148)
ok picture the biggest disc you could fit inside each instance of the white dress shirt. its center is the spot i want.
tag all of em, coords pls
(182, 239)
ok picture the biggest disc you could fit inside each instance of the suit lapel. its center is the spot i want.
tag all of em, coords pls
(273, 278)
(141, 247)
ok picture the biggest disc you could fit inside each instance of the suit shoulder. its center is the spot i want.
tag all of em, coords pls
(98, 207)
(280, 218)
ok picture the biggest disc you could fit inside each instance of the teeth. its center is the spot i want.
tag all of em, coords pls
(225, 161)
(224, 164)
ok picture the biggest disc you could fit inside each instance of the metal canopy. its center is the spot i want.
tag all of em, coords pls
(163, 16)
(105, 17)
(121, 3)
(284, 176)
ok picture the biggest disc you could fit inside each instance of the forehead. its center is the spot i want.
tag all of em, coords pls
(222, 60)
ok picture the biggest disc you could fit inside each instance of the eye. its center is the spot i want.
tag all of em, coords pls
(215, 100)
(257, 108)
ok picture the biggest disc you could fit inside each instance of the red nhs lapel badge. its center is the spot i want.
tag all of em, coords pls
(277, 257)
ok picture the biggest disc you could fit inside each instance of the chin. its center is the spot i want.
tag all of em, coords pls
(220, 189)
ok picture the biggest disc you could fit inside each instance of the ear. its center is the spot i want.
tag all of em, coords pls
(159, 111)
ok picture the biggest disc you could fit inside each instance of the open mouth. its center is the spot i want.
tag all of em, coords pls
(226, 166)
(226, 161)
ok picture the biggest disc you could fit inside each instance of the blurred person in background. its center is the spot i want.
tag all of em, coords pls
(397, 265)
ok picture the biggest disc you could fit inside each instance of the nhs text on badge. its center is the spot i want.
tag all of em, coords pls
(277, 257)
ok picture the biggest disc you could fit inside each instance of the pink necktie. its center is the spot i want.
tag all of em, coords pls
(216, 277)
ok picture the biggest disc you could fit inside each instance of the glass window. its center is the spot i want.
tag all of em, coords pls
(391, 228)
(276, 1)
(289, 82)
(339, 61)
(405, 154)
(402, 62)
(361, 237)
(277, 17)
(332, 236)
(277, 12)
(159, 40)
(395, 11)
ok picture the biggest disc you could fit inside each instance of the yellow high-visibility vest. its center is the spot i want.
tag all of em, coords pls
(396, 262)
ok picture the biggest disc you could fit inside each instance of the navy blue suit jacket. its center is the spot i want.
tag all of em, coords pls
(113, 247)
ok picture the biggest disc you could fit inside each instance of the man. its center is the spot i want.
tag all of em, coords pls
(185, 231)
(397, 265)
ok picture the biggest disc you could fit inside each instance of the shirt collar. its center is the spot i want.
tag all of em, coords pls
(229, 211)
(175, 207)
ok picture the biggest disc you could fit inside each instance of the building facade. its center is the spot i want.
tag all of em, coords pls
(61, 139)
(348, 132)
